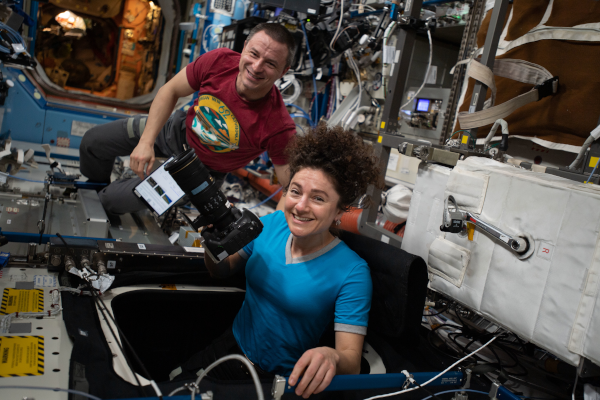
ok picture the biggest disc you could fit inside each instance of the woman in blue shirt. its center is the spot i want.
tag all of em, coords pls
(299, 275)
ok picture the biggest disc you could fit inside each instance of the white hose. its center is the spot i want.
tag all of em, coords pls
(238, 357)
(291, 98)
(490, 136)
(334, 38)
(428, 67)
(584, 148)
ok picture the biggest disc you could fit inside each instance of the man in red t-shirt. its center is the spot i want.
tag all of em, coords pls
(238, 115)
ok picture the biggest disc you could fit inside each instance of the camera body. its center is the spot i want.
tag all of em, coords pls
(231, 229)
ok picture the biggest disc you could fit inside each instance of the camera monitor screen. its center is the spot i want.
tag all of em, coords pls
(159, 190)
(423, 105)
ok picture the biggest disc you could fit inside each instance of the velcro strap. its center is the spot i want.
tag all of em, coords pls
(489, 116)
(521, 71)
(483, 74)
(518, 70)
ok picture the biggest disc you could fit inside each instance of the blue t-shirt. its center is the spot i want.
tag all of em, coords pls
(290, 301)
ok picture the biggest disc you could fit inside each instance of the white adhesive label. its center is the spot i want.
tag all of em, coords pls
(545, 251)
(393, 162)
(44, 281)
(111, 264)
(79, 128)
(385, 239)
(141, 246)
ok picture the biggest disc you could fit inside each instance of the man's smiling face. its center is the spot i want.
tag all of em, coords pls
(261, 64)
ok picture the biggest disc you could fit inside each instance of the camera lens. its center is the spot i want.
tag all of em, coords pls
(195, 180)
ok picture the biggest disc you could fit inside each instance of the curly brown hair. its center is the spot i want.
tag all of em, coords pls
(345, 158)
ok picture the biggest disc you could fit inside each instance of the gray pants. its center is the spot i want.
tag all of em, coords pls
(101, 144)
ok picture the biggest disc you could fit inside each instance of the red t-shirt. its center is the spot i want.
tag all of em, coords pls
(227, 131)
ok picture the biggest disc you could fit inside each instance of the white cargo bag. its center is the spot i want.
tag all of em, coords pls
(550, 298)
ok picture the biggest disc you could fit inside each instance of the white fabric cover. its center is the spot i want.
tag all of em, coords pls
(551, 298)
(468, 189)
(396, 202)
(448, 260)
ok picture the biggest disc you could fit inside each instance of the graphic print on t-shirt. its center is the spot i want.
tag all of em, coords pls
(215, 125)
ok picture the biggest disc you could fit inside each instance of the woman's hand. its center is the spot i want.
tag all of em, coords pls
(317, 367)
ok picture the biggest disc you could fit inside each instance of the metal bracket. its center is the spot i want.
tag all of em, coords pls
(494, 390)
(278, 388)
(466, 385)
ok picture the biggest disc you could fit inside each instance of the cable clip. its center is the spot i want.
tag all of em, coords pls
(409, 380)
(193, 388)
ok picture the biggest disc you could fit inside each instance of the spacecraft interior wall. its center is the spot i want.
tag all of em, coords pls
(550, 298)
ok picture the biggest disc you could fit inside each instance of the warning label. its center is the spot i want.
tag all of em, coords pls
(21, 356)
(19, 300)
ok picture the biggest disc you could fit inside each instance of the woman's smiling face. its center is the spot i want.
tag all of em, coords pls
(311, 203)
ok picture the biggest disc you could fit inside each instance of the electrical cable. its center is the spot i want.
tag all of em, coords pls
(334, 38)
(428, 65)
(312, 66)
(238, 357)
(267, 199)
(435, 377)
(62, 238)
(296, 107)
(294, 115)
(77, 392)
(434, 395)
(356, 104)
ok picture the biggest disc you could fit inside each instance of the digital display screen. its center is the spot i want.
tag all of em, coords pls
(423, 105)
(159, 190)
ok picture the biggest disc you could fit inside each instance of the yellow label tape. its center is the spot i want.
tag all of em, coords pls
(17, 300)
(465, 139)
(21, 356)
(594, 161)
(382, 124)
(379, 139)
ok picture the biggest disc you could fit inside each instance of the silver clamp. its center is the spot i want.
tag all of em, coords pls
(278, 388)
(463, 395)
(494, 390)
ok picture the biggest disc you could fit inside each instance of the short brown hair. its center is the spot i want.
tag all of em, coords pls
(278, 33)
(342, 156)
